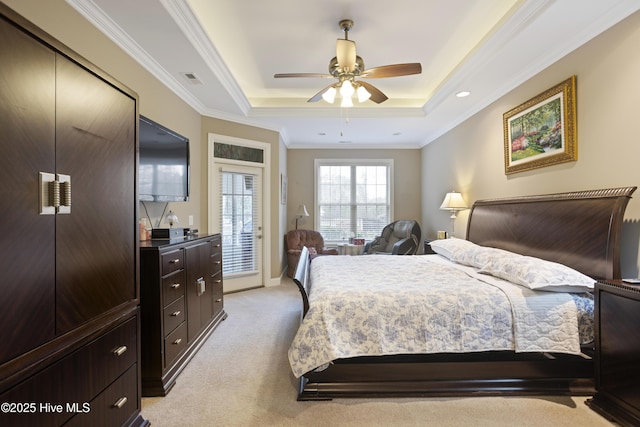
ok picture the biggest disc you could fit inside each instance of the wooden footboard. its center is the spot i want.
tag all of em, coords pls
(442, 375)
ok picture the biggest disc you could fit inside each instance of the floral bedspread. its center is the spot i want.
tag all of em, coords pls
(379, 305)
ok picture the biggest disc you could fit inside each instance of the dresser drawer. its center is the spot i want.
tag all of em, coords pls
(173, 315)
(216, 261)
(218, 301)
(175, 343)
(173, 287)
(172, 261)
(112, 354)
(76, 378)
(114, 405)
(216, 243)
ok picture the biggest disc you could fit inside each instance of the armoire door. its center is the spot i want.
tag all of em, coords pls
(199, 297)
(27, 123)
(96, 241)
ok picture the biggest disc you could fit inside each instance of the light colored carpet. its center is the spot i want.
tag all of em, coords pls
(241, 377)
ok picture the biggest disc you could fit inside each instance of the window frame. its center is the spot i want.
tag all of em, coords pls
(388, 163)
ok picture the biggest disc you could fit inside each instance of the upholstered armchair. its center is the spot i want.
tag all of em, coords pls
(313, 240)
(398, 238)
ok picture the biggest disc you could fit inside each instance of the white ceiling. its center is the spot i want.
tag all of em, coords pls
(234, 47)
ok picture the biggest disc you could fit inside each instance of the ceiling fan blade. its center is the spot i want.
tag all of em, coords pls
(346, 54)
(318, 96)
(313, 75)
(376, 94)
(392, 70)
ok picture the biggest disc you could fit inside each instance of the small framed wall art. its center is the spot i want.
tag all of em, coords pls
(542, 131)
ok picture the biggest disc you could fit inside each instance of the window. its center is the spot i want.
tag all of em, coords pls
(353, 198)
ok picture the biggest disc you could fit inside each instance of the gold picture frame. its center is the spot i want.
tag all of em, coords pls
(542, 131)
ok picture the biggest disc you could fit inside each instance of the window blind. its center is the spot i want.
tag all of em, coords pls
(239, 204)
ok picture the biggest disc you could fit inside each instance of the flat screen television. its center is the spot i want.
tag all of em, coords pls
(164, 164)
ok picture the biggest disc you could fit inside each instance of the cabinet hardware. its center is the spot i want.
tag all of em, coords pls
(218, 262)
(219, 300)
(175, 285)
(65, 191)
(201, 286)
(176, 313)
(120, 402)
(174, 261)
(178, 341)
(120, 350)
(55, 193)
(219, 280)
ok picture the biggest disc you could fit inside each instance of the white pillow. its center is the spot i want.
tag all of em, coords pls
(452, 247)
(538, 274)
(479, 256)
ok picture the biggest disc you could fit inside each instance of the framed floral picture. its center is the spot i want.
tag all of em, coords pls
(542, 131)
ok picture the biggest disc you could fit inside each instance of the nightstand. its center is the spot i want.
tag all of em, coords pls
(617, 358)
(427, 248)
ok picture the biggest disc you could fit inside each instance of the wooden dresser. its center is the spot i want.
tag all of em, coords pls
(69, 324)
(617, 360)
(181, 303)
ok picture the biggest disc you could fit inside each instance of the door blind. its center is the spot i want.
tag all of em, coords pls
(239, 205)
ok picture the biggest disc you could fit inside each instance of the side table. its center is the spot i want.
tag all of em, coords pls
(617, 367)
(427, 248)
(349, 249)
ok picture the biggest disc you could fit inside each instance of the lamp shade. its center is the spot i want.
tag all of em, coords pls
(363, 94)
(302, 211)
(347, 89)
(453, 202)
(330, 95)
(171, 218)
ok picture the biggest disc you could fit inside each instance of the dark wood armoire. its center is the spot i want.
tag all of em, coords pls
(69, 281)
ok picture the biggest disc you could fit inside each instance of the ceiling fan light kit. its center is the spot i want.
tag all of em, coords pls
(346, 66)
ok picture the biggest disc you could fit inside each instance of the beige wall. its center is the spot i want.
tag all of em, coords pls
(406, 183)
(160, 104)
(470, 157)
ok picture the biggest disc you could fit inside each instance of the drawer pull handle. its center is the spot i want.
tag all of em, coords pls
(218, 245)
(120, 402)
(120, 350)
(218, 262)
(176, 313)
(178, 341)
(174, 261)
(219, 300)
(175, 285)
(219, 280)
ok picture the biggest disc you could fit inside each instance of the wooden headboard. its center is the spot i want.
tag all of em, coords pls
(578, 229)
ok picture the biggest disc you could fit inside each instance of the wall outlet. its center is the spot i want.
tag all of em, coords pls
(190, 219)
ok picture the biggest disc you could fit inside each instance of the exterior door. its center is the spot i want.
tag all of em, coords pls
(241, 226)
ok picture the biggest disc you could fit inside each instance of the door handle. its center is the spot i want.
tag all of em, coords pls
(55, 193)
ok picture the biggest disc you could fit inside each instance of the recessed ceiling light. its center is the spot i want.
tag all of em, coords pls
(463, 93)
(321, 133)
(396, 133)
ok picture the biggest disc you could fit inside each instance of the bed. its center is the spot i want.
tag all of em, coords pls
(579, 230)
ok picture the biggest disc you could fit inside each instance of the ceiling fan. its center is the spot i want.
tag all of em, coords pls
(346, 66)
